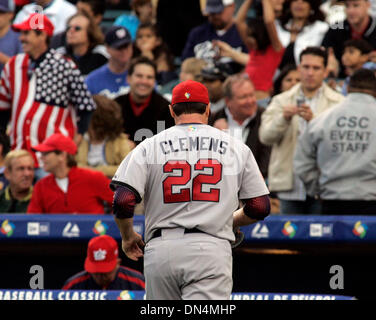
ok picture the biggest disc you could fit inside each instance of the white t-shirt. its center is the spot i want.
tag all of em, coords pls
(62, 184)
(96, 156)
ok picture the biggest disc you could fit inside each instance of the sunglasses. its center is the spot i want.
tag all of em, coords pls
(44, 153)
(75, 28)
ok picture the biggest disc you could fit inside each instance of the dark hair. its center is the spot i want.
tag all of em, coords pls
(363, 79)
(4, 141)
(141, 60)
(189, 107)
(362, 45)
(94, 32)
(278, 81)
(107, 120)
(97, 6)
(257, 29)
(316, 13)
(160, 50)
(315, 51)
(71, 159)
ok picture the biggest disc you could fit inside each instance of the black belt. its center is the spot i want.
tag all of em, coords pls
(157, 233)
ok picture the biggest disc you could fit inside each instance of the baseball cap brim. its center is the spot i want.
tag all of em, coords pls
(119, 44)
(23, 26)
(100, 267)
(35, 21)
(43, 148)
(4, 9)
(214, 9)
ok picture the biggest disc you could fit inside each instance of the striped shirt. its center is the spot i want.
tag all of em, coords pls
(45, 96)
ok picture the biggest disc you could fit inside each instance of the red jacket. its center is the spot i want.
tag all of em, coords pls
(87, 189)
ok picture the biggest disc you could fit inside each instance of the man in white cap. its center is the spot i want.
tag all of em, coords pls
(58, 11)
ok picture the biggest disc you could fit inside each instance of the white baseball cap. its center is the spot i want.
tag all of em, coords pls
(217, 6)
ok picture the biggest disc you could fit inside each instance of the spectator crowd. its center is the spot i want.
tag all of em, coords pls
(293, 79)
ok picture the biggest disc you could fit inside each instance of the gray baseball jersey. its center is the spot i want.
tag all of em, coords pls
(191, 176)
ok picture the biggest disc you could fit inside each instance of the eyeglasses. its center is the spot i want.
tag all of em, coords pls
(75, 28)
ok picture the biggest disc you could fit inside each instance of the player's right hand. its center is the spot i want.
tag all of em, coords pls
(132, 246)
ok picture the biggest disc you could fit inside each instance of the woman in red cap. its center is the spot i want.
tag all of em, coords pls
(68, 189)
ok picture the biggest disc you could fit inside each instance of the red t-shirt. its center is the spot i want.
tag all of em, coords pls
(87, 189)
(262, 66)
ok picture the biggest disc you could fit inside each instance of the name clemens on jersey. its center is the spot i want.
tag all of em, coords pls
(194, 144)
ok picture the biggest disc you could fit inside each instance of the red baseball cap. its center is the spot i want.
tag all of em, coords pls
(190, 91)
(102, 254)
(35, 21)
(57, 141)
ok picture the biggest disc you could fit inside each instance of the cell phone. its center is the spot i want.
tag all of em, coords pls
(300, 101)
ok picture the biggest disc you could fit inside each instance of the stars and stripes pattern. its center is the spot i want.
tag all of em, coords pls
(42, 101)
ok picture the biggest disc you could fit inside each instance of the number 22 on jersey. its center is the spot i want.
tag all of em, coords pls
(184, 195)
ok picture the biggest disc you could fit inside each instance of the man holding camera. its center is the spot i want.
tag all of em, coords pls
(285, 119)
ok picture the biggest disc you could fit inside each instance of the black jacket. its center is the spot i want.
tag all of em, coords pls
(126, 279)
(156, 110)
(260, 151)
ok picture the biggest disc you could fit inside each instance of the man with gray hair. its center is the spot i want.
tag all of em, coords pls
(19, 170)
(242, 117)
(336, 155)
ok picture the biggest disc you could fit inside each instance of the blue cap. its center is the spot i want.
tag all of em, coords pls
(117, 36)
(7, 5)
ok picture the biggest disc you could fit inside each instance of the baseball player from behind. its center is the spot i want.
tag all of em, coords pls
(191, 177)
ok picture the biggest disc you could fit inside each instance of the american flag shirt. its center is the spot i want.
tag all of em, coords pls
(43, 99)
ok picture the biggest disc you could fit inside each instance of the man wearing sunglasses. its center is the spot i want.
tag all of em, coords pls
(44, 92)
(84, 43)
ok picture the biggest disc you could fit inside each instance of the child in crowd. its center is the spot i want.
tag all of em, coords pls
(150, 44)
(355, 54)
(142, 12)
(191, 69)
(105, 145)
